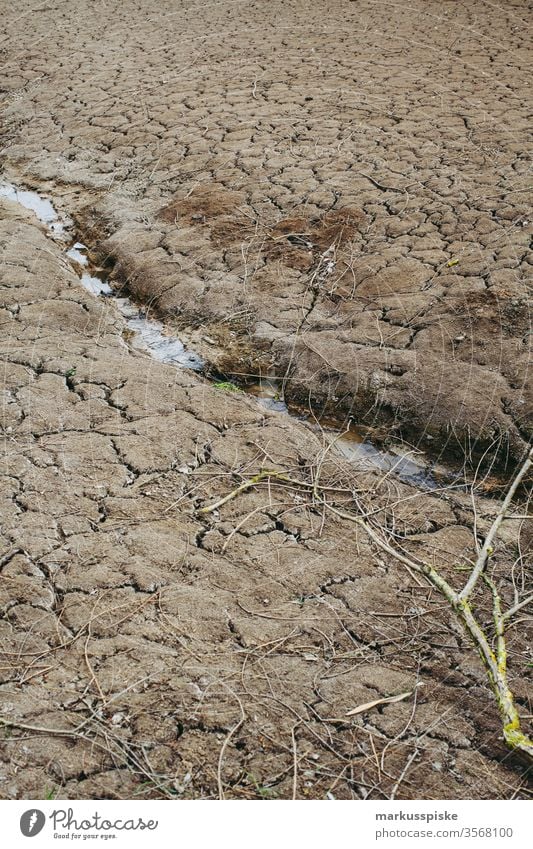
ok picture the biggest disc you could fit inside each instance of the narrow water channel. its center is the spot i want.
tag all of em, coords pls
(152, 336)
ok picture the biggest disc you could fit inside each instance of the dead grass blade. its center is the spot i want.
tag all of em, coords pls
(388, 700)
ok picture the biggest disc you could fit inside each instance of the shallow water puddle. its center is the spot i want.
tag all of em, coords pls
(78, 253)
(150, 335)
(42, 207)
(269, 394)
(95, 285)
(408, 467)
(353, 443)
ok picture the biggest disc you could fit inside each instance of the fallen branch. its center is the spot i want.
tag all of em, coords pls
(487, 549)
(495, 661)
(266, 473)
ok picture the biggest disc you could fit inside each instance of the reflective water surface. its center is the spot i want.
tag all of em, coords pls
(150, 335)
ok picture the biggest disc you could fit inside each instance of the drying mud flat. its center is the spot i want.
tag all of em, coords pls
(326, 200)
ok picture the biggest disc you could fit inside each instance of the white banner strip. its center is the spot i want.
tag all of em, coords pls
(267, 824)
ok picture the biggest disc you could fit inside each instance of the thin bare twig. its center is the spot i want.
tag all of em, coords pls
(487, 548)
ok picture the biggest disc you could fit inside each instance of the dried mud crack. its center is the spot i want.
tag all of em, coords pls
(158, 638)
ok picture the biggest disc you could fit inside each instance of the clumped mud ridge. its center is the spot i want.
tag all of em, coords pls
(334, 195)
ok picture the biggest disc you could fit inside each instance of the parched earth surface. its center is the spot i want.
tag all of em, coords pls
(331, 193)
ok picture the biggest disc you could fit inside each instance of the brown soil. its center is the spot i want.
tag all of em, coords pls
(353, 217)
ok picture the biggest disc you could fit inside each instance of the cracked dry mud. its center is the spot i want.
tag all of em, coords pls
(332, 192)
